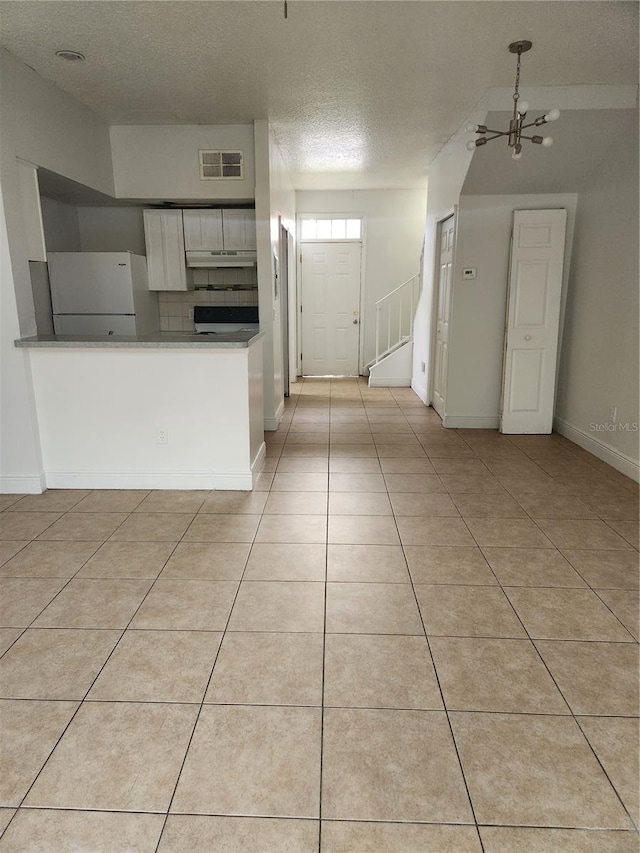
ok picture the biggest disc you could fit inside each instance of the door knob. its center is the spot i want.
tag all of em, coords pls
(527, 337)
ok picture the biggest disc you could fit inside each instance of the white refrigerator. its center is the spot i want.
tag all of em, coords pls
(101, 293)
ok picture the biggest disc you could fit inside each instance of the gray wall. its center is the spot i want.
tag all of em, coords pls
(60, 224)
(111, 229)
(41, 297)
(599, 358)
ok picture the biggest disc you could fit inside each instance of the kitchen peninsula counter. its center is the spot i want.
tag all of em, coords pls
(157, 340)
(160, 411)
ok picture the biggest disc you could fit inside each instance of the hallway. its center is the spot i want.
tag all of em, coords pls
(405, 640)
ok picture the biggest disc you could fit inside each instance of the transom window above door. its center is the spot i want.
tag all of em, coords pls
(313, 228)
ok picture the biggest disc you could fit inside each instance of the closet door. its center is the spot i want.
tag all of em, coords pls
(532, 324)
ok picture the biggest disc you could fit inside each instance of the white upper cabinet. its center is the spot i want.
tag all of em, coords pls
(239, 229)
(164, 238)
(202, 229)
(213, 230)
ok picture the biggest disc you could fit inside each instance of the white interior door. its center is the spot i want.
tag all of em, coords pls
(330, 308)
(532, 323)
(443, 312)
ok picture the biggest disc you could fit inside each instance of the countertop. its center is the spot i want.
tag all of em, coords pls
(156, 340)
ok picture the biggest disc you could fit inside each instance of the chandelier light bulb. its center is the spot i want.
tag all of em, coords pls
(471, 145)
(517, 155)
(547, 141)
(523, 107)
(552, 115)
(471, 128)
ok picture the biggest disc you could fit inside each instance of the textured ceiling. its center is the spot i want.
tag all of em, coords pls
(360, 94)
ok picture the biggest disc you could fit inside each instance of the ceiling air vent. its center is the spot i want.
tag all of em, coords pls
(221, 165)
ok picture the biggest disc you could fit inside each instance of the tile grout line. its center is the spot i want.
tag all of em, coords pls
(571, 714)
(444, 704)
(202, 702)
(324, 637)
(81, 702)
(206, 688)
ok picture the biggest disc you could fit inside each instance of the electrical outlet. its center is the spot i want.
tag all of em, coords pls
(468, 273)
(191, 313)
(613, 414)
(162, 435)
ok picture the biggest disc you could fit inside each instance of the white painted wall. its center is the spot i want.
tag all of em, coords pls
(256, 406)
(446, 177)
(52, 129)
(111, 229)
(283, 209)
(394, 369)
(393, 234)
(105, 434)
(43, 126)
(61, 228)
(161, 162)
(599, 356)
(20, 458)
(275, 197)
(476, 331)
(32, 214)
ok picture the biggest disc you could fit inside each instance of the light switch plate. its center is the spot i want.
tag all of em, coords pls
(468, 272)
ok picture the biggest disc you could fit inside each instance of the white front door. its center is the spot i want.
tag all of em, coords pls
(330, 308)
(443, 312)
(532, 323)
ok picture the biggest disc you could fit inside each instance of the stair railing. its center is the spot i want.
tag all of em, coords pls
(394, 317)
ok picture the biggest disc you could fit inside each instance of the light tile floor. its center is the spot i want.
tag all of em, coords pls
(405, 639)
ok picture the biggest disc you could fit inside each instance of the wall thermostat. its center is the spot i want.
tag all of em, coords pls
(468, 272)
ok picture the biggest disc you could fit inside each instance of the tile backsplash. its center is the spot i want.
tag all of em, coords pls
(233, 287)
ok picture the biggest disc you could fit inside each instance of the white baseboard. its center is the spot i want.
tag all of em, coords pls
(131, 479)
(272, 424)
(233, 482)
(620, 461)
(23, 485)
(471, 421)
(257, 463)
(420, 390)
(389, 382)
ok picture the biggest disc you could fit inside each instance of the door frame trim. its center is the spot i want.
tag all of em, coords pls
(361, 283)
(284, 267)
(362, 241)
(434, 297)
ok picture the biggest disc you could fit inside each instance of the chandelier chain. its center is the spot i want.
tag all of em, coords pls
(515, 94)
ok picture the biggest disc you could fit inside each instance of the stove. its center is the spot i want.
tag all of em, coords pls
(225, 319)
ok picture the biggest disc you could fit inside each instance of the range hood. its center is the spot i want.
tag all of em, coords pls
(215, 260)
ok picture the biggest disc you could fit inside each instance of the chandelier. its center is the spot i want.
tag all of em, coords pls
(517, 123)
